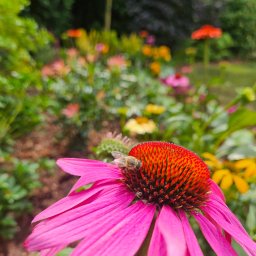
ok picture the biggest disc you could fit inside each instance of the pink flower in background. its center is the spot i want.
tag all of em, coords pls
(232, 109)
(56, 68)
(47, 71)
(71, 110)
(72, 52)
(113, 217)
(117, 61)
(178, 82)
(102, 48)
(150, 40)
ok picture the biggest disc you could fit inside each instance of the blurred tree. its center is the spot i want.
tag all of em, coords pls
(55, 15)
(239, 19)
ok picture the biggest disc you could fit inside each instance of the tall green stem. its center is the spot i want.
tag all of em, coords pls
(206, 53)
(108, 9)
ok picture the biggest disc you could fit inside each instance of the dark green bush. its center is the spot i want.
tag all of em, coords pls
(56, 15)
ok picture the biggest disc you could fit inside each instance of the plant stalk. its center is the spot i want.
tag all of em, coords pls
(108, 10)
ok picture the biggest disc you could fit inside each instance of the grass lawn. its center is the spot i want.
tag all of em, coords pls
(225, 79)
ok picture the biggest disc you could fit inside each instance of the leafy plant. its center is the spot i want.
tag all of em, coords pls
(17, 180)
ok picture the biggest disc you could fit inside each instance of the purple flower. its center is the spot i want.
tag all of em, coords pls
(150, 40)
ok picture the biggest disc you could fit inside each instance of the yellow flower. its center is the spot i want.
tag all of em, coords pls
(191, 51)
(212, 161)
(140, 125)
(164, 53)
(154, 109)
(249, 166)
(155, 68)
(227, 173)
(147, 50)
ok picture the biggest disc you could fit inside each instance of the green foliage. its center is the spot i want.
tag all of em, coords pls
(19, 38)
(238, 18)
(17, 180)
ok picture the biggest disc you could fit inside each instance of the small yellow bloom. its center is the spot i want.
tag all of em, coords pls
(241, 184)
(212, 161)
(164, 53)
(226, 182)
(249, 166)
(140, 125)
(219, 174)
(191, 51)
(227, 173)
(147, 50)
(154, 109)
(155, 68)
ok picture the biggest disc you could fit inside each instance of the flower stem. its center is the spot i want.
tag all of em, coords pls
(206, 53)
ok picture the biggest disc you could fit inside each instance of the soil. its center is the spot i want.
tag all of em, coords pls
(47, 141)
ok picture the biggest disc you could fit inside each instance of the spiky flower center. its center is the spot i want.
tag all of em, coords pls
(169, 174)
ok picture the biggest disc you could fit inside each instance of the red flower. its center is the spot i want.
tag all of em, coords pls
(205, 32)
(75, 33)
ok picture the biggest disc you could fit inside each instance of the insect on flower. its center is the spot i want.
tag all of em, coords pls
(123, 161)
(160, 185)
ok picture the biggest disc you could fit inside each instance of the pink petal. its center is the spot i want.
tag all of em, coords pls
(83, 181)
(157, 245)
(171, 229)
(219, 212)
(95, 170)
(52, 251)
(70, 201)
(191, 240)
(215, 238)
(216, 190)
(74, 224)
(120, 234)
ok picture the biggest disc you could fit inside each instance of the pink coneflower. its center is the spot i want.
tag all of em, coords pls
(71, 110)
(117, 61)
(178, 82)
(158, 180)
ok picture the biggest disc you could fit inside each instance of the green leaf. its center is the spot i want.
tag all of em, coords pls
(241, 119)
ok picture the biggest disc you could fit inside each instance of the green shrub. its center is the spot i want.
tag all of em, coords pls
(238, 18)
(17, 180)
(20, 39)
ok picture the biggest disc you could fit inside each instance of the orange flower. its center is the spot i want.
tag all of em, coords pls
(155, 68)
(205, 32)
(147, 50)
(143, 33)
(75, 33)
